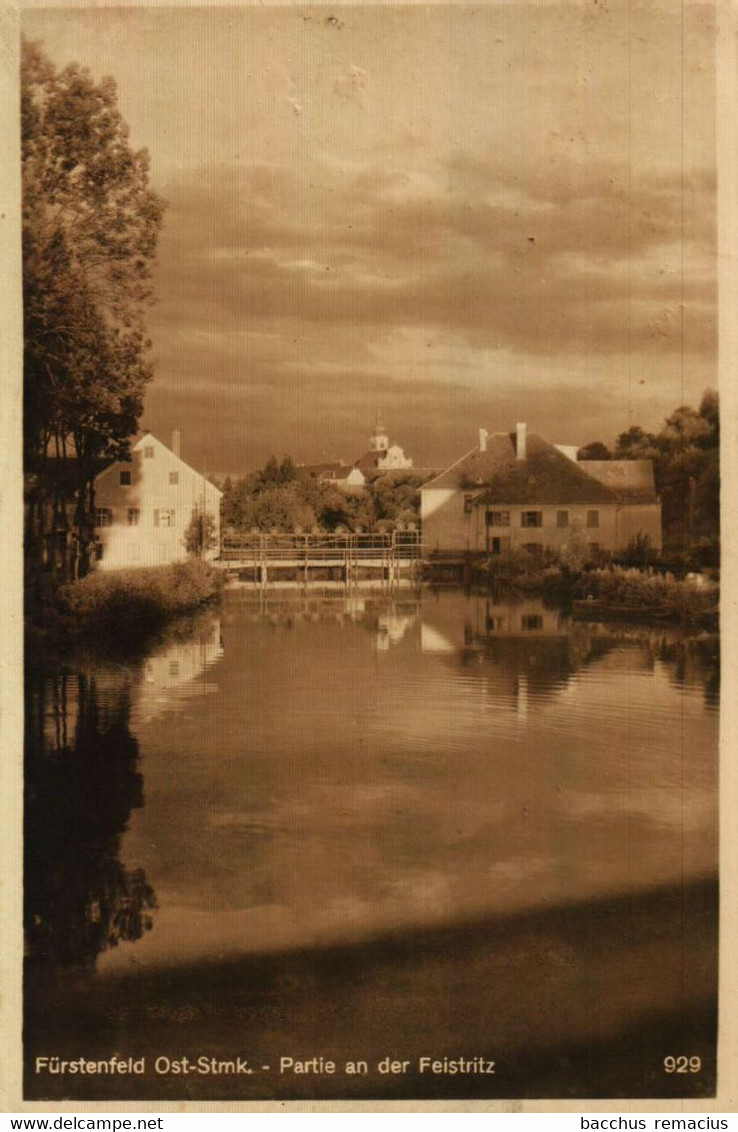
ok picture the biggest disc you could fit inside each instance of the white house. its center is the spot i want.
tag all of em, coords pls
(517, 491)
(144, 506)
(338, 475)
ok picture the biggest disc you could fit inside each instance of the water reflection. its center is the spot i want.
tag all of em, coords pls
(351, 765)
(172, 671)
(82, 783)
(468, 776)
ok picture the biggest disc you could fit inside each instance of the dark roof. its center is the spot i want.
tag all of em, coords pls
(631, 480)
(544, 476)
(369, 461)
(336, 471)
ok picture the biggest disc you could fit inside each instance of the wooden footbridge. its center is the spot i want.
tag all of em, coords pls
(348, 558)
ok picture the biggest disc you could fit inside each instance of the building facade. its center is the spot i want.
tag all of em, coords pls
(516, 491)
(144, 506)
(340, 475)
(382, 456)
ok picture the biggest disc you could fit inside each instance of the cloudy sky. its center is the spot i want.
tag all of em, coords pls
(460, 215)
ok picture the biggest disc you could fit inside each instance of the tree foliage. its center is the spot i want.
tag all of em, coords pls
(286, 498)
(595, 450)
(686, 460)
(90, 228)
(200, 534)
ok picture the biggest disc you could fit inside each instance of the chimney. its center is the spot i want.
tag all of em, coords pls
(520, 441)
(483, 434)
(176, 441)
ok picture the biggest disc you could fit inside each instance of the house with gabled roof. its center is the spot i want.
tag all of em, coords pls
(143, 506)
(517, 491)
(343, 476)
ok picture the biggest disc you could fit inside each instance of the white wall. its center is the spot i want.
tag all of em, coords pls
(446, 525)
(151, 494)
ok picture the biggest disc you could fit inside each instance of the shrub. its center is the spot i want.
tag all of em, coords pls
(639, 551)
(646, 591)
(138, 601)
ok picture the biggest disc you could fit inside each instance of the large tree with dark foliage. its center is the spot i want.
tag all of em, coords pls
(90, 228)
(686, 459)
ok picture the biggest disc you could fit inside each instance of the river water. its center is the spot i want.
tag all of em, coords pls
(315, 826)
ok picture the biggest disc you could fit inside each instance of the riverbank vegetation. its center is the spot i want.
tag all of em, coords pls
(597, 591)
(125, 607)
(633, 593)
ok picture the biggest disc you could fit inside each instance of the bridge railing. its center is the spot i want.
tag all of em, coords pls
(322, 547)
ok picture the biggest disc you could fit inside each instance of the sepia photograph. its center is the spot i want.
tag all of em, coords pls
(371, 517)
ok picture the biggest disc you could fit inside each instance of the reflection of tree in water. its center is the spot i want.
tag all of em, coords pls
(694, 660)
(81, 785)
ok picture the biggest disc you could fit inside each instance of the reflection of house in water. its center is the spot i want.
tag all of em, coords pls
(355, 607)
(391, 628)
(523, 649)
(168, 673)
(458, 622)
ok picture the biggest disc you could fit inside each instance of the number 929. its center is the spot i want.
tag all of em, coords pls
(682, 1064)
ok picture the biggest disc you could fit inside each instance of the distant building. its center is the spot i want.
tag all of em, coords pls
(382, 456)
(143, 506)
(517, 491)
(339, 475)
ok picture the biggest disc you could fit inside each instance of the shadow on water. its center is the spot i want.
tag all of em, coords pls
(571, 1002)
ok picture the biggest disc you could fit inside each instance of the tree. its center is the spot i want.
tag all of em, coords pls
(636, 444)
(595, 450)
(685, 455)
(90, 228)
(710, 411)
(199, 537)
(685, 428)
(575, 551)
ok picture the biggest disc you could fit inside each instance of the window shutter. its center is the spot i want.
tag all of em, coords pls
(156, 518)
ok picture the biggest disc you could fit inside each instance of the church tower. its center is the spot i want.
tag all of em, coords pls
(379, 440)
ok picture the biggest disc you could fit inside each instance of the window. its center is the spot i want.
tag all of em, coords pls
(103, 517)
(562, 518)
(594, 547)
(498, 518)
(468, 504)
(148, 451)
(133, 516)
(125, 479)
(164, 518)
(593, 518)
(174, 668)
(531, 621)
(174, 477)
(534, 548)
(531, 518)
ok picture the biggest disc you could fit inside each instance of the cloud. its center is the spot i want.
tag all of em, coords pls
(296, 301)
(580, 260)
